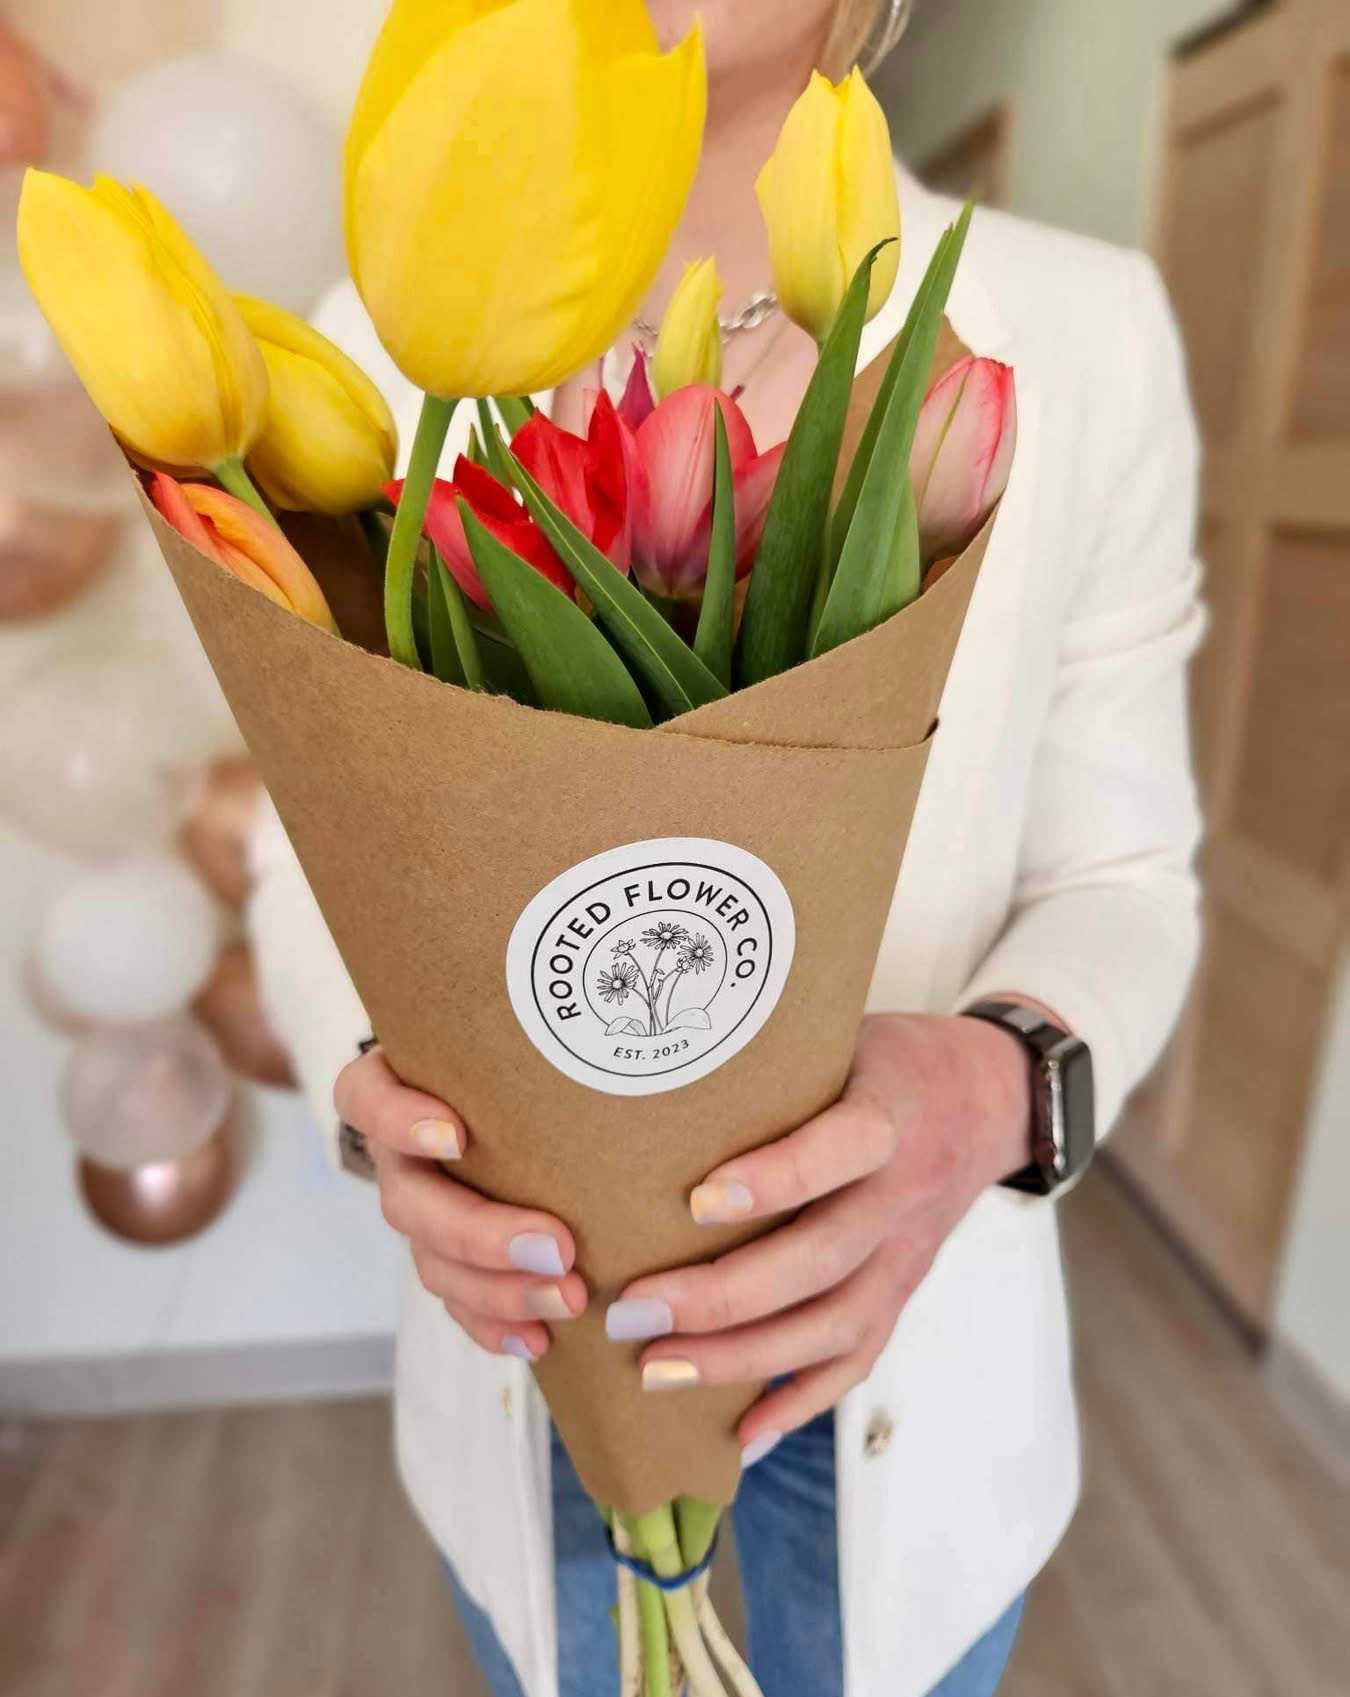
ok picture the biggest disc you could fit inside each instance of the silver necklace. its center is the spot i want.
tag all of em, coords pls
(759, 309)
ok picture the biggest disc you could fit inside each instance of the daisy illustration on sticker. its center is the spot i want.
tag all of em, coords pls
(655, 986)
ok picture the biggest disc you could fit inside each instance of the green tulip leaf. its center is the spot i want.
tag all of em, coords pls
(676, 676)
(862, 457)
(715, 637)
(859, 593)
(516, 411)
(775, 625)
(452, 615)
(445, 662)
(419, 608)
(572, 667)
(498, 462)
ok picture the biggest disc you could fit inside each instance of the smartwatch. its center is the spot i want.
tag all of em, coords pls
(1063, 1128)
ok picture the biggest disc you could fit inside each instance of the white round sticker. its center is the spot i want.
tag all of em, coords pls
(647, 967)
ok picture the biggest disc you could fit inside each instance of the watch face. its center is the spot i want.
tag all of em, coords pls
(1074, 1065)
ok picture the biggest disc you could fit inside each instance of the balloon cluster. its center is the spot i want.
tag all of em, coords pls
(106, 755)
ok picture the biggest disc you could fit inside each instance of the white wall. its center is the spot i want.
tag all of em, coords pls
(1083, 79)
(1313, 1309)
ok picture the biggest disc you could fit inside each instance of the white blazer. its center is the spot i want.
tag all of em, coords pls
(1051, 856)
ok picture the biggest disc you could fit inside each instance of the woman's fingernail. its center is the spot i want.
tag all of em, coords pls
(759, 1447)
(438, 1138)
(536, 1252)
(721, 1201)
(627, 1322)
(547, 1302)
(517, 1347)
(669, 1376)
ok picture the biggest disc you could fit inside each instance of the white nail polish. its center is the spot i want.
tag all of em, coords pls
(536, 1252)
(628, 1322)
(759, 1447)
(517, 1347)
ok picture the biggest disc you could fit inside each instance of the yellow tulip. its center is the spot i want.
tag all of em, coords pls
(829, 196)
(689, 348)
(151, 331)
(515, 170)
(330, 443)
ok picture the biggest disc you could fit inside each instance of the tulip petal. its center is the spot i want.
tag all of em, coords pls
(689, 348)
(799, 192)
(412, 33)
(320, 451)
(502, 254)
(869, 196)
(657, 104)
(486, 315)
(240, 528)
(676, 446)
(637, 403)
(272, 325)
(754, 490)
(963, 452)
(174, 506)
(153, 336)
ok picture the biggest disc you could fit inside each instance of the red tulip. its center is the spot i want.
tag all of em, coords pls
(672, 520)
(501, 514)
(963, 453)
(586, 476)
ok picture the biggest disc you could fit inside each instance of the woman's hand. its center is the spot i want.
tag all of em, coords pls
(935, 1111)
(500, 1271)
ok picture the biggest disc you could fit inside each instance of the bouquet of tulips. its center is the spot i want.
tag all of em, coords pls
(541, 730)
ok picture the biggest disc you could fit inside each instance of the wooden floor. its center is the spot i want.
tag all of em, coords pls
(268, 1553)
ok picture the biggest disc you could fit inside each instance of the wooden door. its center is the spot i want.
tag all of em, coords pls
(1255, 243)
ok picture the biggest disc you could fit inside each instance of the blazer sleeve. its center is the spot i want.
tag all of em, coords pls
(1104, 926)
(306, 991)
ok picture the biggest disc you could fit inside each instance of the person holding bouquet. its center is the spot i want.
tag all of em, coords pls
(910, 1311)
(880, 1313)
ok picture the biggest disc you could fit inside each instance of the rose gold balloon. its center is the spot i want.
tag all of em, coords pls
(23, 103)
(47, 558)
(215, 837)
(231, 1009)
(62, 482)
(163, 1201)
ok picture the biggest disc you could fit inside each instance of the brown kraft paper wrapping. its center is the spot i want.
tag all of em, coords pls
(427, 818)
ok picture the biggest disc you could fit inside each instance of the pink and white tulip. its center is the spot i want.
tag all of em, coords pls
(963, 453)
(671, 484)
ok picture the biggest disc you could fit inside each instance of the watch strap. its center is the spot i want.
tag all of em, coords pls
(1063, 1136)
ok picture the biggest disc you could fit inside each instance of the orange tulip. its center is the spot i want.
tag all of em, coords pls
(240, 540)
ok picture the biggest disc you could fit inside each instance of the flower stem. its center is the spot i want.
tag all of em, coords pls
(697, 1524)
(401, 564)
(656, 1532)
(651, 1619)
(232, 477)
(630, 1644)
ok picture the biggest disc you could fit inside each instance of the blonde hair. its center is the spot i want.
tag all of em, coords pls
(854, 22)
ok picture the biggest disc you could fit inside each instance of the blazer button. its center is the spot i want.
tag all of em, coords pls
(877, 1438)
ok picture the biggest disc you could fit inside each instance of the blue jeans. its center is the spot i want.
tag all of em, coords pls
(787, 1541)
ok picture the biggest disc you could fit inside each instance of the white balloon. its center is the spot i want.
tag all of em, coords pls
(154, 1093)
(103, 745)
(243, 161)
(126, 943)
